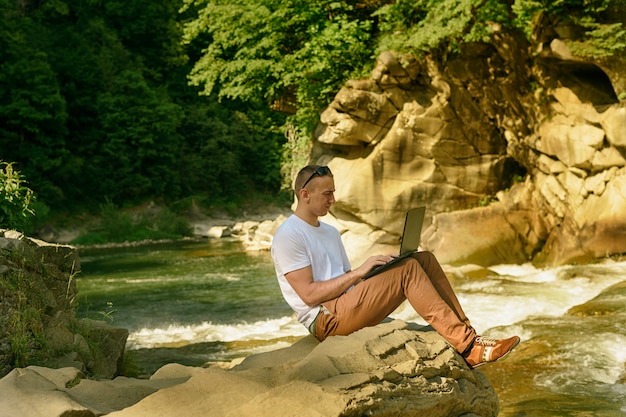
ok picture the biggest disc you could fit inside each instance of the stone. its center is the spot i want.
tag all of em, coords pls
(218, 232)
(482, 236)
(43, 392)
(26, 392)
(614, 124)
(110, 343)
(395, 368)
(46, 273)
(454, 136)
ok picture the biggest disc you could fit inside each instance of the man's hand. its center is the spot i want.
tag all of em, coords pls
(373, 262)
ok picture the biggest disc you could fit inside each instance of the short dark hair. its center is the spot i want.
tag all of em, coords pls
(307, 173)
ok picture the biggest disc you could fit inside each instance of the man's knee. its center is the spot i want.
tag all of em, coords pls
(413, 266)
(425, 257)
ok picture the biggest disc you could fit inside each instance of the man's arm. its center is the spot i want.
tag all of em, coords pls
(314, 293)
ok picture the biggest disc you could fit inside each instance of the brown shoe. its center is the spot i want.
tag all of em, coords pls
(489, 350)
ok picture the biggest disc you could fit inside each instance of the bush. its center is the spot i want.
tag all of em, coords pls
(117, 226)
(15, 199)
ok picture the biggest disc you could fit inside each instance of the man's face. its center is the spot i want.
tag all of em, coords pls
(321, 195)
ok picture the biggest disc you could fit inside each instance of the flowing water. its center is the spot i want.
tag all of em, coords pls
(197, 302)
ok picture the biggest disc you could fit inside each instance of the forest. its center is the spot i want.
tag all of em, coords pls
(108, 103)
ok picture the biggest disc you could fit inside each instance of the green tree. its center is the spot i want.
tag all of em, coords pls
(297, 51)
(140, 140)
(95, 106)
(599, 23)
(229, 153)
(293, 55)
(422, 26)
(32, 109)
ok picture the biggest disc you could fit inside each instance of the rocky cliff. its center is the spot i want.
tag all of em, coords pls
(517, 150)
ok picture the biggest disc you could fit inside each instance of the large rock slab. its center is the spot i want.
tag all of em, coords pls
(394, 368)
(44, 392)
(390, 369)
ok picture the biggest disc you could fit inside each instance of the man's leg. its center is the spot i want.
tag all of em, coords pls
(369, 302)
(433, 270)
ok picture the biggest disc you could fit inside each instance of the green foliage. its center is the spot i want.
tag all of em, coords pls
(21, 324)
(601, 40)
(15, 198)
(268, 50)
(140, 139)
(421, 26)
(95, 105)
(327, 58)
(32, 110)
(116, 225)
(295, 154)
(601, 34)
(107, 315)
(424, 25)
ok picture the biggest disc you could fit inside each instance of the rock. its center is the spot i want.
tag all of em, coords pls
(217, 232)
(109, 346)
(614, 124)
(26, 392)
(394, 368)
(43, 392)
(454, 133)
(37, 312)
(483, 236)
(608, 302)
(258, 235)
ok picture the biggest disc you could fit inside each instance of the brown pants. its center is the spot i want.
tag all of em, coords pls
(418, 279)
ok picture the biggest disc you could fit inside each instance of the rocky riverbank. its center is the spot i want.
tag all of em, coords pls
(391, 369)
(394, 368)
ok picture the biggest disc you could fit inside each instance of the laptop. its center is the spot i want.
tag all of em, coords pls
(410, 239)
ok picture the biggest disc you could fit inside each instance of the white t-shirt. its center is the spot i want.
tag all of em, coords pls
(296, 245)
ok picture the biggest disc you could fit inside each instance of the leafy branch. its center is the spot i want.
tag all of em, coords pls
(15, 198)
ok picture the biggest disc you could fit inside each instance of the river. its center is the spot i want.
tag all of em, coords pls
(195, 302)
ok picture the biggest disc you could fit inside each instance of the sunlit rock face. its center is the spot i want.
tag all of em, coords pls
(517, 156)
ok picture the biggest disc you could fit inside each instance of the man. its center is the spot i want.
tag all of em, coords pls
(329, 298)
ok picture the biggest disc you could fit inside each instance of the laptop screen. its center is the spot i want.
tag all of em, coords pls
(412, 230)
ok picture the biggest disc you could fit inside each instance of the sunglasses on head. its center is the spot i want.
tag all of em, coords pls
(321, 171)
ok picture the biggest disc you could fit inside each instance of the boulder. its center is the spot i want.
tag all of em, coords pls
(394, 368)
(483, 236)
(37, 312)
(109, 345)
(44, 392)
